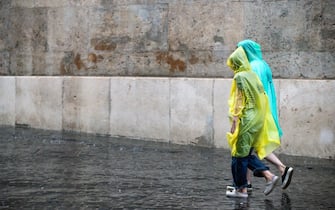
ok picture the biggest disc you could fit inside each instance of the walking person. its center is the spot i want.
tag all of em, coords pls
(263, 70)
(252, 126)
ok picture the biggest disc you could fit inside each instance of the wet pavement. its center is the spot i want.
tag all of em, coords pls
(53, 170)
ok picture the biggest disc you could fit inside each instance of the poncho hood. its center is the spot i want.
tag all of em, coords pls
(252, 49)
(238, 61)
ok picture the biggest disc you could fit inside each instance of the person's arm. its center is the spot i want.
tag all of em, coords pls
(237, 109)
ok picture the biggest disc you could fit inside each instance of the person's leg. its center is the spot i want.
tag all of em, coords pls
(268, 175)
(249, 174)
(249, 186)
(260, 170)
(271, 181)
(273, 159)
(239, 172)
(286, 172)
(256, 166)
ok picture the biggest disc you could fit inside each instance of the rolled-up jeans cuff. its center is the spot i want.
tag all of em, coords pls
(241, 187)
(258, 171)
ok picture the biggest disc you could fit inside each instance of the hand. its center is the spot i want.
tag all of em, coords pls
(233, 126)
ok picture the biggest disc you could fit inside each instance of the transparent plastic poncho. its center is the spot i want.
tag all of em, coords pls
(262, 69)
(248, 102)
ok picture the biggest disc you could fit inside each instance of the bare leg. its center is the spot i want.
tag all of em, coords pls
(271, 181)
(249, 174)
(273, 159)
(243, 190)
(268, 175)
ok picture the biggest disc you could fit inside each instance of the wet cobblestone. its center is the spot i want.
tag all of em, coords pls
(53, 170)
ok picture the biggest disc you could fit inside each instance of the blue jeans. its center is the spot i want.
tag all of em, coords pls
(239, 167)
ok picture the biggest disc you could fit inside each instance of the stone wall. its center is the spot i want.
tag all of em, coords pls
(155, 69)
(188, 38)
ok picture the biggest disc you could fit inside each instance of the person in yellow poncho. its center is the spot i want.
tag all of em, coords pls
(252, 126)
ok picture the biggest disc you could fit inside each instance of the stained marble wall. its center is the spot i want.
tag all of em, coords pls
(188, 38)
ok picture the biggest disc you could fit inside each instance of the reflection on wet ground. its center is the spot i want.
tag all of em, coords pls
(52, 170)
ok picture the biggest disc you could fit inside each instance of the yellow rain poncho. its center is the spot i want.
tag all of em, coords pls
(248, 103)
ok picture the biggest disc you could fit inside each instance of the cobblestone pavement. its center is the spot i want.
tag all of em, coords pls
(52, 170)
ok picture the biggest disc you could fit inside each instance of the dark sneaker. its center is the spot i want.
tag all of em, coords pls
(249, 188)
(270, 185)
(286, 178)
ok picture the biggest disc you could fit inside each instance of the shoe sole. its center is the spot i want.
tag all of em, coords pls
(235, 195)
(288, 178)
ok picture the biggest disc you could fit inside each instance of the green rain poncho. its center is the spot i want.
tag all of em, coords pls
(249, 104)
(262, 69)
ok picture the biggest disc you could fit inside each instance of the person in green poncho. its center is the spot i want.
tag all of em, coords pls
(252, 126)
(263, 70)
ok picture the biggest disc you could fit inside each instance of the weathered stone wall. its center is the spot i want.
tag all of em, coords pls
(188, 38)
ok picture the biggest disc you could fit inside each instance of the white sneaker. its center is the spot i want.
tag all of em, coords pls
(249, 188)
(233, 193)
(270, 185)
(230, 188)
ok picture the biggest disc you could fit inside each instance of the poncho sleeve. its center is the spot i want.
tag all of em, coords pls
(236, 99)
(238, 104)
